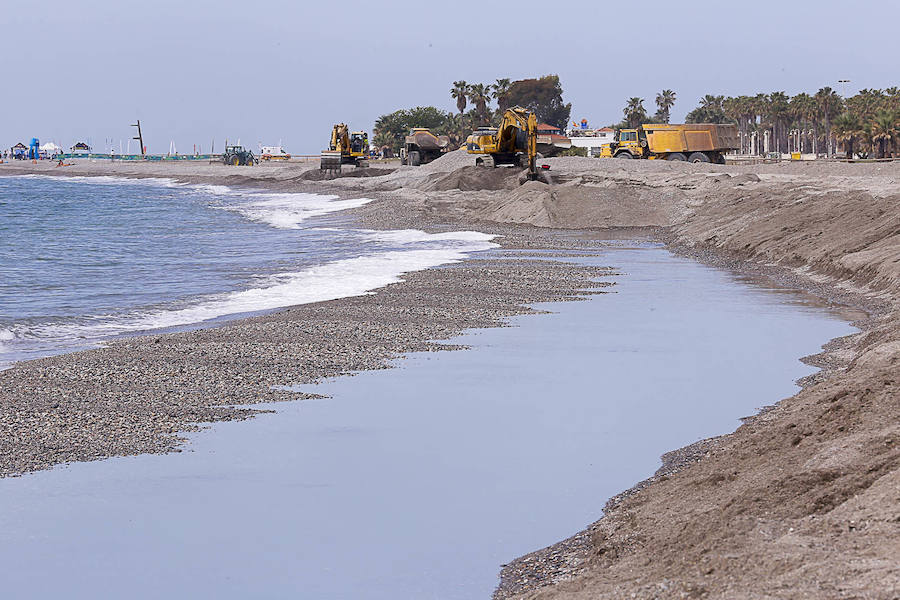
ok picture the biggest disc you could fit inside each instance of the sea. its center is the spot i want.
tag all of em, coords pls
(84, 260)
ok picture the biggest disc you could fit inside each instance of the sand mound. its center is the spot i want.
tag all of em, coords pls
(319, 175)
(472, 178)
(367, 172)
(448, 162)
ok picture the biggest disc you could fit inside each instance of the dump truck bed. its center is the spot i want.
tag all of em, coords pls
(702, 137)
(428, 141)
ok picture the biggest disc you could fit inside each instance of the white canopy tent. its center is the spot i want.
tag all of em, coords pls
(49, 149)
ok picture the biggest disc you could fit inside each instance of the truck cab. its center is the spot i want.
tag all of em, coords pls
(483, 139)
(631, 144)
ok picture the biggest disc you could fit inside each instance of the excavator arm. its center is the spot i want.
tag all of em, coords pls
(518, 134)
(340, 138)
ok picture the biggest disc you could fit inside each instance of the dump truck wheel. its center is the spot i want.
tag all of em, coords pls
(624, 155)
(698, 157)
(415, 159)
(676, 156)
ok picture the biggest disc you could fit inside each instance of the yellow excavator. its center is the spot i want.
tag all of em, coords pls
(345, 149)
(514, 142)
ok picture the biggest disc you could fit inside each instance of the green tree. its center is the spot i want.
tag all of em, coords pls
(543, 97)
(480, 96)
(829, 104)
(665, 100)
(634, 112)
(384, 139)
(847, 128)
(500, 92)
(884, 131)
(396, 125)
(710, 110)
(804, 111)
(460, 93)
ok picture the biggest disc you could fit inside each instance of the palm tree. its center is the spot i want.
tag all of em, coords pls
(803, 110)
(884, 129)
(740, 110)
(665, 100)
(480, 96)
(453, 128)
(460, 92)
(501, 94)
(829, 104)
(846, 128)
(759, 104)
(635, 112)
(712, 103)
(385, 141)
(780, 115)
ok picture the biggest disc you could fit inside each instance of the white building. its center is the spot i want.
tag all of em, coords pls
(591, 139)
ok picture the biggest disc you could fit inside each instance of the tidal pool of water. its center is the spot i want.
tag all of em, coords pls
(420, 481)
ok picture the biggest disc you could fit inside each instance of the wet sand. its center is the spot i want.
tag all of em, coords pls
(799, 502)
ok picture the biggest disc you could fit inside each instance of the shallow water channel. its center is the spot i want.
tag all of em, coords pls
(419, 482)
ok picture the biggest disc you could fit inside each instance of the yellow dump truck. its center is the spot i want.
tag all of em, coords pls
(695, 142)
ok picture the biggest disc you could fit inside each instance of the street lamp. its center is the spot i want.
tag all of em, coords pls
(844, 82)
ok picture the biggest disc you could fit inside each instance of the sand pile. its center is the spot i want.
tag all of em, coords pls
(472, 178)
(320, 175)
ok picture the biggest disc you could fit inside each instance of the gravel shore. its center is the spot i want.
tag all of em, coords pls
(140, 394)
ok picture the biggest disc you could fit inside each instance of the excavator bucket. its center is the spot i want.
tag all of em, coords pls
(331, 160)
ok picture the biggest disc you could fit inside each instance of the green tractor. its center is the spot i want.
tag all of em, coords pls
(238, 156)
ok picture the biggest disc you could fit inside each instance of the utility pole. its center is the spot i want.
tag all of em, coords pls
(139, 137)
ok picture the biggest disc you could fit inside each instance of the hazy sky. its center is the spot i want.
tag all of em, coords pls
(264, 71)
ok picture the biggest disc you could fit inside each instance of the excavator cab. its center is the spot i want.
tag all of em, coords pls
(359, 143)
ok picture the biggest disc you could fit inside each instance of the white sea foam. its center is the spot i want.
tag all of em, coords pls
(414, 236)
(287, 211)
(5, 336)
(329, 281)
(103, 179)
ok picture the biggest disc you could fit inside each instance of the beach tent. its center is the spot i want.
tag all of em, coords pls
(81, 148)
(20, 150)
(49, 150)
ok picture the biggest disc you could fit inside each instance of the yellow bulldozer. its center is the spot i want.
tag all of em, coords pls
(514, 142)
(346, 148)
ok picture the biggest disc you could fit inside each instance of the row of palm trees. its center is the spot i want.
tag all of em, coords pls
(480, 95)
(865, 124)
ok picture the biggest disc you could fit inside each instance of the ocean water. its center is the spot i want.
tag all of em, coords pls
(83, 260)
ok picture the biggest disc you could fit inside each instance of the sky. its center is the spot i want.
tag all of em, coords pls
(270, 71)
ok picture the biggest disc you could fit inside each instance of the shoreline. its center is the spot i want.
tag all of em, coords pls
(55, 409)
(662, 539)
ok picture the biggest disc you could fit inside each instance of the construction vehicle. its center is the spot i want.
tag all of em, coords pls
(238, 156)
(268, 153)
(514, 142)
(421, 147)
(695, 142)
(346, 148)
